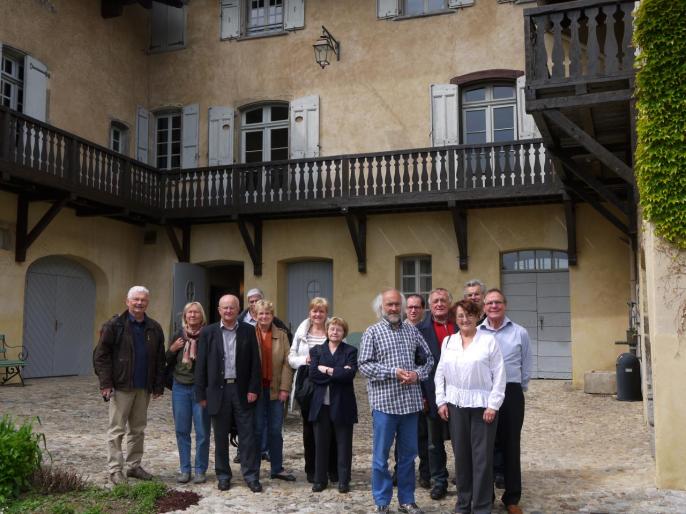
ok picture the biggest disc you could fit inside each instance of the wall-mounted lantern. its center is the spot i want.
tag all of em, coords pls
(325, 47)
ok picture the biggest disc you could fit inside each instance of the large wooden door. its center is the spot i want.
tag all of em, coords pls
(307, 280)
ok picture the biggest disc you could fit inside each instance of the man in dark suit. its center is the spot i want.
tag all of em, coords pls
(228, 378)
(434, 329)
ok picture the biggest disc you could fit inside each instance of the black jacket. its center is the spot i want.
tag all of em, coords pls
(341, 390)
(113, 358)
(209, 366)
(426, 328)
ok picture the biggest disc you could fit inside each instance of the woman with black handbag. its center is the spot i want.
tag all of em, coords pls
(310, 333)
(186, 410)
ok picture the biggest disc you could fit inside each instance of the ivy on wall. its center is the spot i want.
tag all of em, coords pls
(660, 34)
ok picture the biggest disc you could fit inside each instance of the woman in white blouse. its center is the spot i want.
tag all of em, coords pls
(470, 387)
(311, 333)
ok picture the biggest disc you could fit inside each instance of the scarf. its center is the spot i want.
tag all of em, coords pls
(190, 349)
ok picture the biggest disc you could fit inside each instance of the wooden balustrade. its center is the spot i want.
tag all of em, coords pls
(579, 41)
(39, 153)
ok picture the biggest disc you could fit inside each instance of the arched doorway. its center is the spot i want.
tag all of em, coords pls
(59, 312)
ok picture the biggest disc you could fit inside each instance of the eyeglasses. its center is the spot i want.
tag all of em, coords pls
(494, 302)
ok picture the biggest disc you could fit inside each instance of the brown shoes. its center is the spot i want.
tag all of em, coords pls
(117, 478)
(138, 473)
(514, 509)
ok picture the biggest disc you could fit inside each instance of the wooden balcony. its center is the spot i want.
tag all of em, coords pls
(37, 157)
(580, 79)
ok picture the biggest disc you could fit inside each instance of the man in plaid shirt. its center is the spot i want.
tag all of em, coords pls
(387, 359)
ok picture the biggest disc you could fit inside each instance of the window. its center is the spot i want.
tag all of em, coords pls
(535, 260)
(489, 113)
(264, 133)
(418, 7)
(415, 276)
(264, 16)
(12, 80)
(119, 137)
(168, 140)
(250, 18)
(167, 27)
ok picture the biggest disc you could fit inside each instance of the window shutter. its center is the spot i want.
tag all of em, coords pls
(158, 26)
(460, 3)
(230, 19)
(305, 127)
(527, 128)
(142, 134)
(387, 8)
(294, 14)
(444, 115)
(220, 136)
(189, 137)
(176, 27)
(35, 88)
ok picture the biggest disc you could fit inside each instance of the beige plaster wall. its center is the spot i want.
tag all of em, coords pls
(666, 309)
(376, 98)
(112, 251)
(599, 283)
(98, 68)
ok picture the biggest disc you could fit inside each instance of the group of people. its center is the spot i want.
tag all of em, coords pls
(456, 371)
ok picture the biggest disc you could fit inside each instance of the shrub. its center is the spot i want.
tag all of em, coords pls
(20, 456)
(50, 480)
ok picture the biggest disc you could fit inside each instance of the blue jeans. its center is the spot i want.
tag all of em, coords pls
(402, 427)
(269, 420)
(188, 412)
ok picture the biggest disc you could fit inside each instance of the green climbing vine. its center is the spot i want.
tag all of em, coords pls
(660, 34)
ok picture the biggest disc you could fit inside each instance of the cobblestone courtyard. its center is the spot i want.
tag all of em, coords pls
(580, 453)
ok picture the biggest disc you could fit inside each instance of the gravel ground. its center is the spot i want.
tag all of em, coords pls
(580, 453)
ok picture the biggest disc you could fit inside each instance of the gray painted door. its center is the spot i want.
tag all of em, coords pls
(189, 284)
(540, 302)
(307, 280)
(59, 313)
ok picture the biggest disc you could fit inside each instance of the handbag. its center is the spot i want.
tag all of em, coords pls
(304, 389)
(169, 374)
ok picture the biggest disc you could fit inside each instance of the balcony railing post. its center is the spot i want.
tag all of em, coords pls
(345, 177)
(4, 134)
(72, 170)
(125, 181)
(236, 191)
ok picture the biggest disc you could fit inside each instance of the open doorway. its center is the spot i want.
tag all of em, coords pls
(224, 279)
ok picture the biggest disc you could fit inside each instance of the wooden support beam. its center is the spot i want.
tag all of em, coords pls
(603, 154)
(570, 222)
(357, 226)
(182, 248)
(460, 226)
(598, 207)
(572, 167)
(253, 244)
(26, 238)
(583, 100)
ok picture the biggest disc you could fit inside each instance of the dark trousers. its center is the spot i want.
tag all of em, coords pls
(328, 434)
(422, 449)
(508, 438)
(437, 458)
(473, 440)
(232, 410)
(310, 452)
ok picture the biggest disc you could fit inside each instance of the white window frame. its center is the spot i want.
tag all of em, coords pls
(489, 105)
(122, 140)
(169, 114)
(418, 275)
(264, 28)
(266, 126)
(16, 80)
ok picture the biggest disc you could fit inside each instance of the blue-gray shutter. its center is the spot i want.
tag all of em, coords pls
(230, 19)
(142, 134)
(445, 127)
(167, 27)
(460, 3)
(176, 27)
(527, 128)
(293, 14)
(304, 136)
(158, 26)
(220, 136)
(387, 8)
(189, 136)
(35, 88)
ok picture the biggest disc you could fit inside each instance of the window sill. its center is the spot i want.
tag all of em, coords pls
(424, 15)
(250, 37)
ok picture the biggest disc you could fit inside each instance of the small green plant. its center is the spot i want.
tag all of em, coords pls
(20, 457)
(145, 494)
